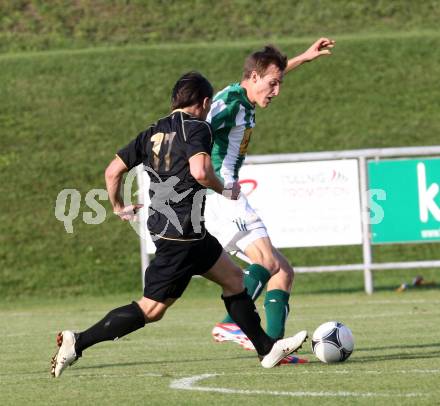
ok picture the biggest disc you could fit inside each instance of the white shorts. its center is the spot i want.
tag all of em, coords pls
(233, 222)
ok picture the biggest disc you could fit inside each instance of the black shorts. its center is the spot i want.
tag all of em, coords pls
(176, 262)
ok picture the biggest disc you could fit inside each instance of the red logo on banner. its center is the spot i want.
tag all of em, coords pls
(250, 186)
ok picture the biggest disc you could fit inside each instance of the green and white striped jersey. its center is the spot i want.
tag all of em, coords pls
(232, 117)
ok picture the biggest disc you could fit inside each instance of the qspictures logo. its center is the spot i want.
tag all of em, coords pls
(163, 196)
(68, 203)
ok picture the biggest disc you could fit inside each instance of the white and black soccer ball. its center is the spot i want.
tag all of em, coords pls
(332, 342)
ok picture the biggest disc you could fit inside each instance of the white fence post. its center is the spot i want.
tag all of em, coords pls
(145, 259)
(365, 215)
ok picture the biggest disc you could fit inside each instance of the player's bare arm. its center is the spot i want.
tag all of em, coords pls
(319, 48)
(203, 172)
(113, 179)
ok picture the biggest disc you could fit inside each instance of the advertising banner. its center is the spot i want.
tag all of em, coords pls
(410, 200)
(303, 204)
(306, 204)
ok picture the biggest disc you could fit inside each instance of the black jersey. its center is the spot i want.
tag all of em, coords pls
(177, 199)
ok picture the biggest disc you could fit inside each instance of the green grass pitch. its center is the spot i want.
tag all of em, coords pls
(396, 358)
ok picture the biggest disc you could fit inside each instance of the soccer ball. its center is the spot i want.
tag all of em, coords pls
(332, 342)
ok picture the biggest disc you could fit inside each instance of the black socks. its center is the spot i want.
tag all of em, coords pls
(116, 324)
(126, 319)
(242, 310)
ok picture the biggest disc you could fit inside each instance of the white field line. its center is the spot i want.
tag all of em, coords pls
(188, 383)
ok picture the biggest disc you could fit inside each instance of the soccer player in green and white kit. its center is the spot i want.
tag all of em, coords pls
(234, 223)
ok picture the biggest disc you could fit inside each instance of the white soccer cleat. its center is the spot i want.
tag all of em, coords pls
(282, 348)
(65, 355)
(231, 332)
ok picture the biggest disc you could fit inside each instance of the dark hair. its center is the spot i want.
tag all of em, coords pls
(259, 61)
(191, 89)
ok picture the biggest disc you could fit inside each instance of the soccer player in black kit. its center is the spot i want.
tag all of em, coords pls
(175, 151)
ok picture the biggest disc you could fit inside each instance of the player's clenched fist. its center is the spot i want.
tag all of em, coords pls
(128, 213)
(232, 191)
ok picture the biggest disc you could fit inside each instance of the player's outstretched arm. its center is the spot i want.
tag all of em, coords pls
(319, 48)
(113, 179)
(201, 169)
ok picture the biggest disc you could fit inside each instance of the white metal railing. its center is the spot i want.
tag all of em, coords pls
(354, 153)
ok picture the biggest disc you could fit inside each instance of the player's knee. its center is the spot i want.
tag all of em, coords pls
(287, 270)
(271, 264)
(152, 311)
(154, 315)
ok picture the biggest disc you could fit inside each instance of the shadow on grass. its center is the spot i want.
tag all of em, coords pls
(394, 347)
(386, 357)
(179, 361)
(376, 358)
(435, 353)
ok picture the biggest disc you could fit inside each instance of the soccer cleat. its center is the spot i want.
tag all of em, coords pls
(65, 355)
(293, 359)
(231, 332)
(283, 348)
(247, 345)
